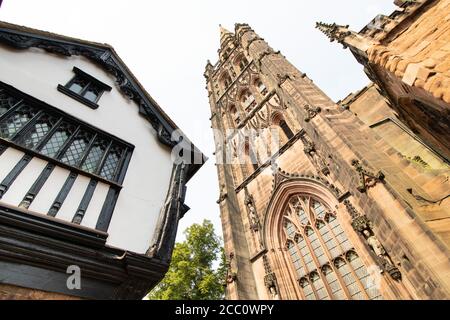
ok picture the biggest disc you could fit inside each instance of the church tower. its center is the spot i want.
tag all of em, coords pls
(314, 203)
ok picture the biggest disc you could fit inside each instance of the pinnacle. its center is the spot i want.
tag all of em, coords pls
(224, 31)
(333, 30)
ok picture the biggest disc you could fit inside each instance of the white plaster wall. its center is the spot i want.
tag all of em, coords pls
(73, 199)
(49, 191)
(95, 205)
(8, 160)
(24, 181)
(38, 73)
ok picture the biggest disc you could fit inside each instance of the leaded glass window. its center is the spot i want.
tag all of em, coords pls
(95, 155)
(49, 132)
(57, 140)
(112, 162)
(16, 121)
(38, 131)
(6, 101)
(77, 148)
(325, 262)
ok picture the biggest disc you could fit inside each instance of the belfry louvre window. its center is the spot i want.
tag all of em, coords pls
(84, 88)
(34, 126)
(325, 262)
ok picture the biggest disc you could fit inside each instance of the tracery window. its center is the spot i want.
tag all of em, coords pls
(248, 101)
(47, 131)
(261, 87)
(226, 81)
(235, 115)
(326, 264)
(243, 62)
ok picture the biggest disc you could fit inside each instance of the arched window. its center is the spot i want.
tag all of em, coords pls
(242, 62)
(234, 115)
(251, 156)
(248, 101)
(226, 80)
(261, 87)
(279, 121)
(319, 251)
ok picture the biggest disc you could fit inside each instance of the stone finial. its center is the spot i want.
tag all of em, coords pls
(334, 31)
(224, 31)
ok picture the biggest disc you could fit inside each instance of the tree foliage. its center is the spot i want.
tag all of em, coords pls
(191, 275)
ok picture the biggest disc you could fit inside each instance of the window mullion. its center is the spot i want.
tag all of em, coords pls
(328, 255)
(67, 144)
(11, 110)
(86, 87)
(120, 164)
(104, 157)
(338, 274)
(363, 290)
(87, 151)
(49, 134)
(18, 134)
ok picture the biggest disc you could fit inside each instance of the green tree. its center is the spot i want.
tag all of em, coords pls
(191, 275)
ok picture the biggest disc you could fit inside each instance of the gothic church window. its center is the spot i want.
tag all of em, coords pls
(248, 101)
(225, 81)
(235, 115)
(319, 251)
(261, 87)
(242, 63)
(84, 88)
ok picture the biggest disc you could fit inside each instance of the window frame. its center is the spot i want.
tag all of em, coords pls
(91, 81)
(16, 141)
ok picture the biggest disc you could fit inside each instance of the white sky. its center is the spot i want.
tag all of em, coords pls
(166, 45)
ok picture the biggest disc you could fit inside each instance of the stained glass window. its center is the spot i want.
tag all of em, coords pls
(322, 255)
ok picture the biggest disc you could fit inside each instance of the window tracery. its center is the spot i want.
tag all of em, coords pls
(325, 262)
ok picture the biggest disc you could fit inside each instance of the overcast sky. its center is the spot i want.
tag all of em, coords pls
(166, 45)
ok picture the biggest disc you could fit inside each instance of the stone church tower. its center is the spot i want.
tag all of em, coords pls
(315, 202)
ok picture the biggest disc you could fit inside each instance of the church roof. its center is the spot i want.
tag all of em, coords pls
(22, 37)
